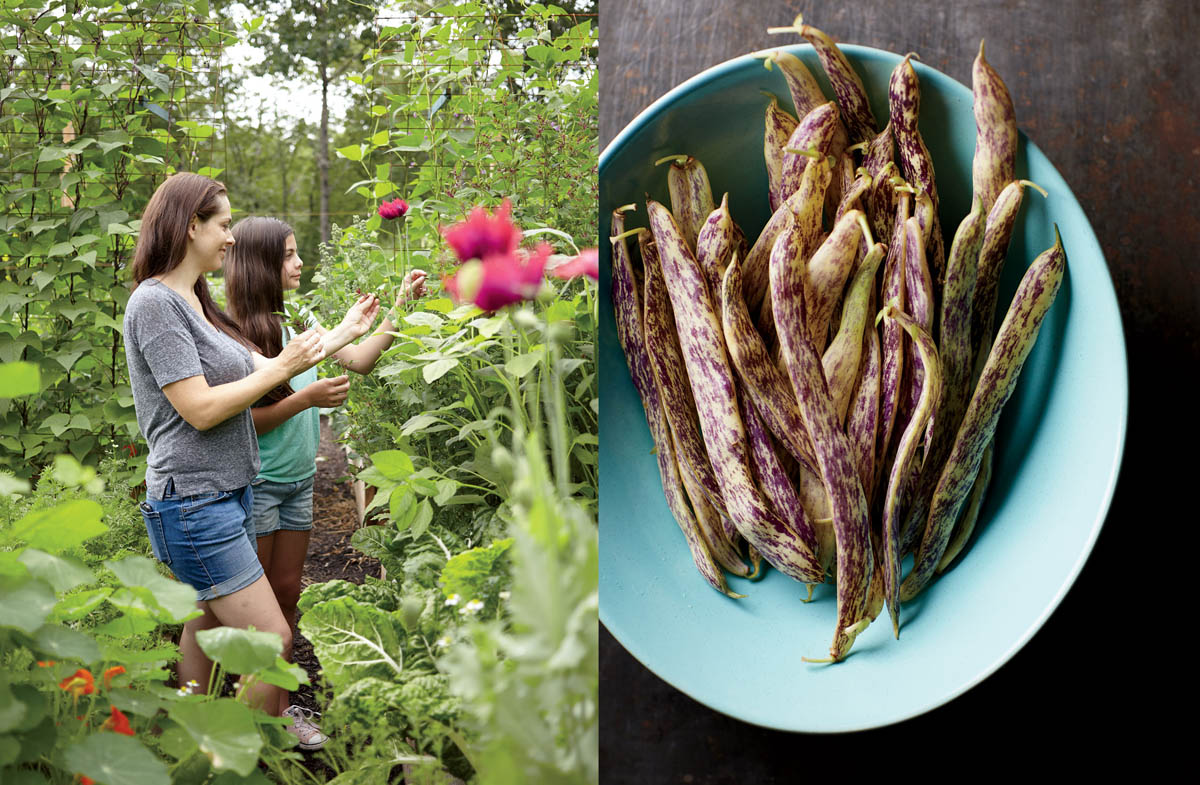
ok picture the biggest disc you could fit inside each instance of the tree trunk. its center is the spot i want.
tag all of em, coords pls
(323, 151)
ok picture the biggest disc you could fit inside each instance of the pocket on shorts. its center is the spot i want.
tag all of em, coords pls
(154, 529)
(191, 504)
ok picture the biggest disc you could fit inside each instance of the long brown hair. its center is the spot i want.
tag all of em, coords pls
(254, 285)
(163, 238)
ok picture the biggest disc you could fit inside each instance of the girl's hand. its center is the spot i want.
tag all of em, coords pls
(328, 393)
(361, 315)
(301, 353)
(412, 287)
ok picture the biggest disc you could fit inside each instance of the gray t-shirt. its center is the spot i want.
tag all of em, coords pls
(167, 340)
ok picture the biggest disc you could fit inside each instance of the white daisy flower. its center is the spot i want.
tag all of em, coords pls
(473, 606)
(452, 599)
(443, 641)
(504, 595)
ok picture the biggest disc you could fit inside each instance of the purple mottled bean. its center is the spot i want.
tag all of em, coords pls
(691, 196)
(848, 503)
(777, 487)
(815, 132)
(779, 128)
(966, 525)
(906, 449)
(904, 103)
(828, 270)
(762, 380)
(882, 200)
(954, 349)
(892, 340)
(1014, 340)
(840, 361)
(846, 83)
(1001, 221)
(853, 195)
(716, 243)
(711, 524)
(918, 298)
(994, 165)
(864, 411)
(806, 93)
(633, 341)
(880, 151)
(713, 387)
(666, 363)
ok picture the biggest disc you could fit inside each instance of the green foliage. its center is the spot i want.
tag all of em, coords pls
(93, 115)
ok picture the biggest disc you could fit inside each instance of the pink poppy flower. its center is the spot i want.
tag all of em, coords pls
(393, 209)
(587, 263)
(482, 236)
(500, 279)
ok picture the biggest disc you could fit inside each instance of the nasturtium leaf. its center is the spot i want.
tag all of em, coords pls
(12, 709)
(116, 759)
(240, 651)
(438, 368)
(424, 318)
(25, 605)
(284, 674)
(65, 643)
(395, 464)
(225, 731)
(353, 640)
(143, 704)
(177, 599)
(59, 528)
(75, 606)
(128, 624)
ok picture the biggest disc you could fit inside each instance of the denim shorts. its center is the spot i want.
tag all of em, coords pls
(207, 539)
(282, 505)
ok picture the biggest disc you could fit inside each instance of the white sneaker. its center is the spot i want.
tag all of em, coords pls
(304, 729)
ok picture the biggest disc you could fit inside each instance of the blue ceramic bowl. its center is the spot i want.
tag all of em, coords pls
(1058, 447)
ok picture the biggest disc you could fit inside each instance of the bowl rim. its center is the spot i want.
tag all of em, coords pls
(1118, 355)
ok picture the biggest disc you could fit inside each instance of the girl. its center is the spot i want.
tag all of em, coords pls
(194, 378)
(263, 264)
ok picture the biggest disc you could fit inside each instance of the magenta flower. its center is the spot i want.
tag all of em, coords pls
(587, 263)
(393, 209)
(482, 236)
(499, 279)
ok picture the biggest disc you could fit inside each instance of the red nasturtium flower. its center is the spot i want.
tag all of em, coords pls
(79, 683)
(115, 670)
(481, 235)
(85, 780)
(118, 722)
(46, 663)
(393, 209)
(587, 263)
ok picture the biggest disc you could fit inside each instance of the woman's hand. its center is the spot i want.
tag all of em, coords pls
(301, 353)
(328, 393)
(359, 318)
(411, 287)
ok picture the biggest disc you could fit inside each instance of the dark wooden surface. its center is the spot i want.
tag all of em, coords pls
(1111, 93)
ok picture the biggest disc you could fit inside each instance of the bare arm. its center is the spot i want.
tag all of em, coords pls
(362, 357)
(203, 405)
(324, 393)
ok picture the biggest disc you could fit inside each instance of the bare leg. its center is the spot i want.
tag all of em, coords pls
(256, 605)
(194, 664)
(286, 565)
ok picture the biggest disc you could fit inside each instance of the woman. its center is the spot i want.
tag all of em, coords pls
(194, 378)
(263, 264)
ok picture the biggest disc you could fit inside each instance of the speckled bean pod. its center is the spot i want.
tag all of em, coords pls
(846, 83)
(814, 132)
(864, 410)
(828, 270)
(716, 244)
(713, 386)
(1001, 221)
(994, 165)
(841, 360)
(904, 103)
(906, 449)
(966, 525)
(779, 127)
(691, 196)
(848, 503)
(1014, 340)
(892, 340)
(762, 380)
